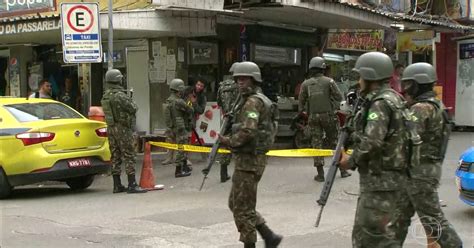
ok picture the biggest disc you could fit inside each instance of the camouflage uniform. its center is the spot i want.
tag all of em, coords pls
(226, 97)
(253, 134)
(381, 156)
(249, 168)
(198, 107)
(178, 124)
(317, 97)
(120, 114)
(421, 192)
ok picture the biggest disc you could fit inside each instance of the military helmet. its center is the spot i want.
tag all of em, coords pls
(177, 84)
(317, 62)
(113, 76)
(232, 67)
(421, 73)
(247, 69)
(374, 66)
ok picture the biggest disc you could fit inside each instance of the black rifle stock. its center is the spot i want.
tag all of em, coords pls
(343, 136)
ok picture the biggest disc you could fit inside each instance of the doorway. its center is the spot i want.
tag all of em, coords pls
(137, 79)
(3, 75)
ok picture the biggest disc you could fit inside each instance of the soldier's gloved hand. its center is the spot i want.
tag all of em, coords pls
(205, 171)
(224, 140)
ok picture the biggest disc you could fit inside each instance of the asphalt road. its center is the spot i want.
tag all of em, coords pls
(51, 215)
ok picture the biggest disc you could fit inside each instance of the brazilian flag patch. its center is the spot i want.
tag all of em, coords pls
(252, 115)
(372, 116)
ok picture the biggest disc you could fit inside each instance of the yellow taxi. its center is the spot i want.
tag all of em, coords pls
(45, 140)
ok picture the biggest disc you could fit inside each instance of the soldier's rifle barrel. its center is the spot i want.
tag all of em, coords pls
(344, 135)
(215, 147)
(323, 198)
(212, 156)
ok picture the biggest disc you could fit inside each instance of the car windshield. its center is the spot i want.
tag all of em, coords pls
(25, 112)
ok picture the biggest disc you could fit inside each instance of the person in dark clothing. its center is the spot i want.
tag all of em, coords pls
(196, 97)
(69, 95)
(269, 83)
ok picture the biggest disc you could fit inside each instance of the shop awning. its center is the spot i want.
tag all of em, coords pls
(315, 15)
(337, 14)
(132, 24)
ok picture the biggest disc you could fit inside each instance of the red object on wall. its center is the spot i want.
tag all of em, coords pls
(446, 68)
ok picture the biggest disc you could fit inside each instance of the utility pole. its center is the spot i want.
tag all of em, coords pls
(110, 58)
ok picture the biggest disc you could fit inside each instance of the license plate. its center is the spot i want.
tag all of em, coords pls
(81, 162)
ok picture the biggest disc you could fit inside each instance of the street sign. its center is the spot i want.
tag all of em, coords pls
(80, 30)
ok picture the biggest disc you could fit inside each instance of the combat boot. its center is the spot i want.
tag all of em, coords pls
(133, 187)
(249, 245)
(118, 187)
(320, 176)
(345, 173)
(187, 168)
(169, 159)
(179, 172)
(224, 175)
(272, 240)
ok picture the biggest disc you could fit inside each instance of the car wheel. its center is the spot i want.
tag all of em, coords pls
(5, 187)
(80, 183)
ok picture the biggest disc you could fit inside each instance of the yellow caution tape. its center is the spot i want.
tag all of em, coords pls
(187, 148)
(306, 152)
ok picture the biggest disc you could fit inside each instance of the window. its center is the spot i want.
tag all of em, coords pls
(26, 112)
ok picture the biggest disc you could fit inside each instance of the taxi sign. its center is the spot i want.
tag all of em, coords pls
(80, 30)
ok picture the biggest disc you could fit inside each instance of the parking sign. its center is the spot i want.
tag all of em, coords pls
(80, 30)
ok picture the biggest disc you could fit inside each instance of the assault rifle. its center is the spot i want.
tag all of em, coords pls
(215, 148)
(343, 137)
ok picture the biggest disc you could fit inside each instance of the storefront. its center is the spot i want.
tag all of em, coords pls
(344, 47)
(465, 83)
(149, 54)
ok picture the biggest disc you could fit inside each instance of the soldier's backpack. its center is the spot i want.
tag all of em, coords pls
(168, 113)
(269, 127)
(227, 94)
(447, 126)
(411, 139)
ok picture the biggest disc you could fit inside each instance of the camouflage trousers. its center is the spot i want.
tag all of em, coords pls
(373, 226)
(122, 149)
(423, 199)
(225, 158)
(243, 201)
(323, 128)
(180, 138)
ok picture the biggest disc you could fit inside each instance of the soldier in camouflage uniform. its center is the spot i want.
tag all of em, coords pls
(317, 97)
(252, 135)
(178, 117)
(381, 142)
(226, 96)
(433, 127)
(120, 110)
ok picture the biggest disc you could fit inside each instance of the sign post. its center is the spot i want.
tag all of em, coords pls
(80, 30)
(110, 59)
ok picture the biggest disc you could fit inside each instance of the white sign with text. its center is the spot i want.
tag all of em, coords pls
(80, 30)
